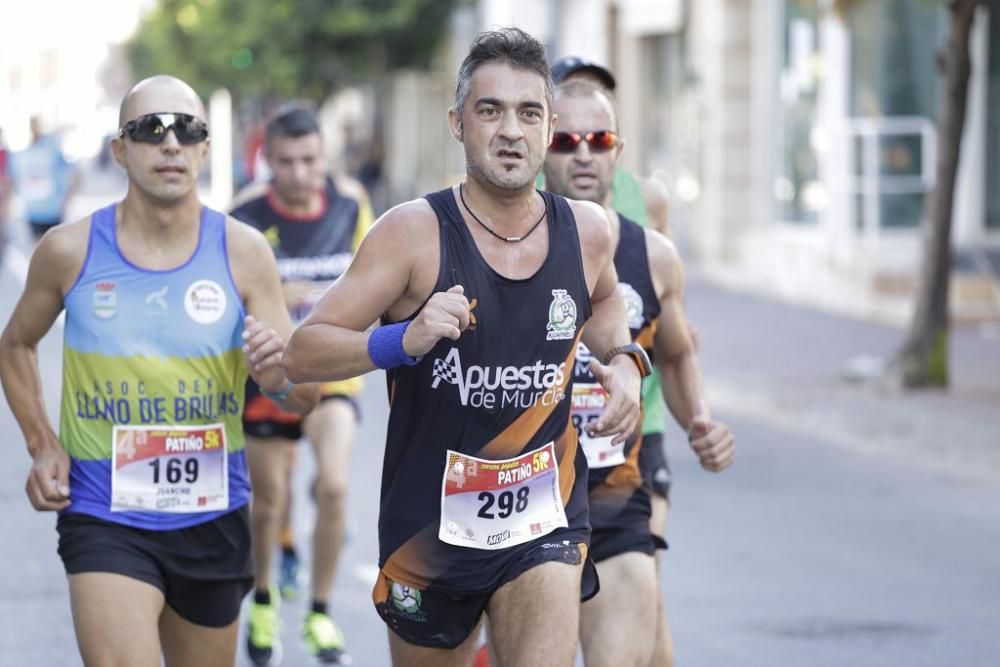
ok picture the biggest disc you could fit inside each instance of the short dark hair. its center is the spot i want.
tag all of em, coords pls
(292, 119)
(512, 46)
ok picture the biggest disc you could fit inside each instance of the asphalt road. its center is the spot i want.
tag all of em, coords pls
(804, 553)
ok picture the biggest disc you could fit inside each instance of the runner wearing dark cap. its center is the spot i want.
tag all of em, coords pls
(625, 625)
(574, 65)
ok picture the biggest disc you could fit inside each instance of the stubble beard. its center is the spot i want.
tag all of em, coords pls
(568, 190)
(500, 178)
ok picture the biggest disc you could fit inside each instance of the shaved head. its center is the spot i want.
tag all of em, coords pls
(160, 94)
(583, 88)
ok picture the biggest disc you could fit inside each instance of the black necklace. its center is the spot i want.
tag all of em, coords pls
(507, 239)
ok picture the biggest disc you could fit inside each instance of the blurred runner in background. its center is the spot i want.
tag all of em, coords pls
(314, 223)
(44, 180)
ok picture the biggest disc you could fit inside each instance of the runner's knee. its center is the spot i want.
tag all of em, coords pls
(331, 493)
(268, 500)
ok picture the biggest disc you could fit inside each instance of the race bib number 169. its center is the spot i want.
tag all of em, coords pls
(178, 469)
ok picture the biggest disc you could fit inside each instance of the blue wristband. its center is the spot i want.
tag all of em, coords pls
(279, 396)
(385, 346)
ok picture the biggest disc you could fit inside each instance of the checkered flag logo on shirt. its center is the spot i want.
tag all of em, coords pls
(448, 369)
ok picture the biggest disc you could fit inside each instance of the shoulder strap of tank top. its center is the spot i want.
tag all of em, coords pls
(631, 240)
(213, 221)
(632, 256)
(102, 231)
(443, 203)
(103, 216)
(562, 220)
(100, 240)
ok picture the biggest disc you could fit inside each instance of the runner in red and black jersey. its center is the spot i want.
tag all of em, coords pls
(482, 305)
(314, 224)
(619, 627)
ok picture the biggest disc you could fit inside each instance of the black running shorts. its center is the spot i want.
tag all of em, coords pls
(263, 419)
(444, 620)
(203, 571)
(654, 466)
(608, 542)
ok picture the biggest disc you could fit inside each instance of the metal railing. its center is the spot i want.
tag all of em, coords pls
(867, 176)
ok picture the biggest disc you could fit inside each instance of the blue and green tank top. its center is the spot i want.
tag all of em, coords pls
(151, 348)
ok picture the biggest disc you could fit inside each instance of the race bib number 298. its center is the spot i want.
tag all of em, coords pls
(496, 504)
(178, 469)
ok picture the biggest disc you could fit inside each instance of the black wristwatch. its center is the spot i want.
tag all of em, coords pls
(635, 351)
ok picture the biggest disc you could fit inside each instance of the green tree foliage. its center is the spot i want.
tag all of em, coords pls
(286, 48)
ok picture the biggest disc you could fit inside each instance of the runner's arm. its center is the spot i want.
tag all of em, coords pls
(607, 327)
(674, 350)
(353, 189)
(654, 194)
(54, 266)
(383, 279)
(268, 325)
(677, 361)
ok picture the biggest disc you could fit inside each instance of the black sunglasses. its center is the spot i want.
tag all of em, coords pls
(152, 128)
(599, 141)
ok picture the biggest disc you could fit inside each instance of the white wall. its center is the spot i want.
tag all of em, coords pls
(584, 31)
(531, 16)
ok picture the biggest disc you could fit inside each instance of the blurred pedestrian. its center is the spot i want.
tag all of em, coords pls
(43, 179)
(169, 305)
(5, 191)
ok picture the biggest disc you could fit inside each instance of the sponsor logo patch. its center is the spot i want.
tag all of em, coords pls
(105, 300)
(562, 316)
(633, 305)
(404, 598)
(492, 387)
(205, 301)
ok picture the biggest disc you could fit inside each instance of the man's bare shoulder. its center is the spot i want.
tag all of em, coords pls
(664, 261)
(593, 225)
(656, 198)
(246, 244)
(249, 192)
(404, 227)
(63, 250)
(654, 191)
(349, 187)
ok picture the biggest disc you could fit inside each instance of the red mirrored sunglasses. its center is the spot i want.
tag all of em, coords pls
(599, 141)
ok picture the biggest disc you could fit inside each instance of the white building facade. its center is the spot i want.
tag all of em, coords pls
(797, 137)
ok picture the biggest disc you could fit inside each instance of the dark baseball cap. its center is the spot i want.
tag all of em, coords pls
(567, 65)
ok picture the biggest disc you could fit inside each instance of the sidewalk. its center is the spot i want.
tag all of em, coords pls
(788, 365)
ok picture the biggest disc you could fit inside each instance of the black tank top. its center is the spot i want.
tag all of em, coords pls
(498, 392)
(317, 249)
(617, 493)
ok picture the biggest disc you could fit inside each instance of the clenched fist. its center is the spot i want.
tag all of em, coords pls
(446, 315)
(712, 442)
